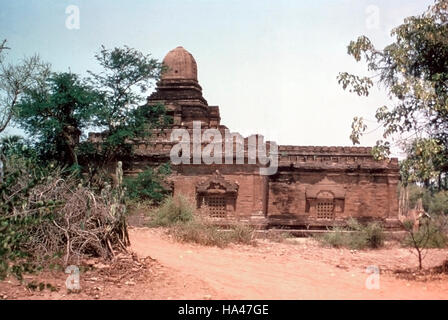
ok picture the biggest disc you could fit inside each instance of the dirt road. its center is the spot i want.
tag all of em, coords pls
(274, 271)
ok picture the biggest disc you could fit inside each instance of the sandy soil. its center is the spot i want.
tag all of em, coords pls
(291, 271)
(295, 269)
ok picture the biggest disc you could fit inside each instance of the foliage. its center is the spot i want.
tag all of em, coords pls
(126, 75)
(56, 114)
(206, 233)
(425, 162)
(16, 146)
(431, 233)
(47, 213)
(21, 176)
(172, 210)
(148, 185)
(30, 73)
(355, 236)
(414, 70)
(179, 215)
(434, 202)
(336, 238)
(439, 203)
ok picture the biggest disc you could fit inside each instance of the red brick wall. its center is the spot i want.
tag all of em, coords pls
(250, 193)
(366, 195)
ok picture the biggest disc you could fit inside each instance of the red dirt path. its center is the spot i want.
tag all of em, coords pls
(285, 271)
(297, 269)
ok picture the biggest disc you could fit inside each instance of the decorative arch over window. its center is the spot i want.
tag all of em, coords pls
(216, 196)
(325, 199)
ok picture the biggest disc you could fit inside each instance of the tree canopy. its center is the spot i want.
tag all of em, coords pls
(15, 79)
(59, 112)
(56, 114)
(414, 70)
(126, 76)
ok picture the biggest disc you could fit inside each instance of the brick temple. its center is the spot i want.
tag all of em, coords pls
(313, 187)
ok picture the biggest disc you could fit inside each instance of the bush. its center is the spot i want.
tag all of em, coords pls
(178, 214)
(198, 232)
(241, 233)
(354, 236)
(334, 238)
(148, 185)
(172, 210)
(370, 235)
(205, 233)
(47, 213)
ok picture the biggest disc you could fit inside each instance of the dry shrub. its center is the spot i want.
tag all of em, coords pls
(206, 233)
(83, 224)
(354, 236)
(178, 214)
(46, 213)
(173, 210)
(277, 235)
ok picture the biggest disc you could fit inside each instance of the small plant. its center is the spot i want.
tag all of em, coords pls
(370, 235)
(335, 238)
(241, 233)
(431, 233)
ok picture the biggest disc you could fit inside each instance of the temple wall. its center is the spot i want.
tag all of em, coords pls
(365, 195)
(317, 184)
(249, 200)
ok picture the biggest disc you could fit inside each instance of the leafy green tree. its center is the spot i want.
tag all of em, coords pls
(425, 162)
(414, 70)
(15, 80)
(126, 76)
(56, 114)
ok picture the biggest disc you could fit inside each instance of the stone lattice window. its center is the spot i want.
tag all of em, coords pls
(325, 209)
(216, 195)
(216, 206)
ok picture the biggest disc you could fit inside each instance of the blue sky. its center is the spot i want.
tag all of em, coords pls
(271, 66)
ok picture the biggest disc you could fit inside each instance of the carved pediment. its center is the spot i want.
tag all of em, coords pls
(326, 189)
(217, 184)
